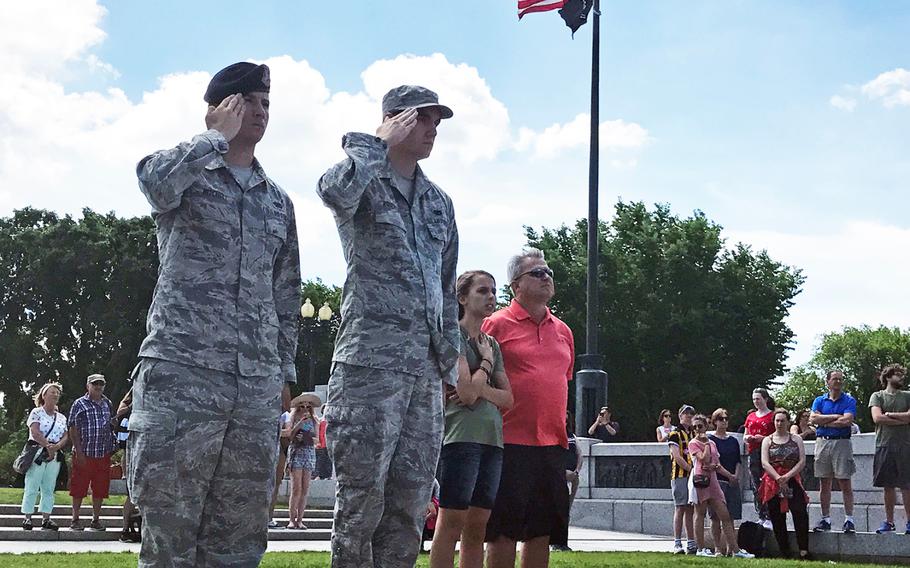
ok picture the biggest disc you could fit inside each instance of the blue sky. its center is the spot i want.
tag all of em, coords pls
(784, 121)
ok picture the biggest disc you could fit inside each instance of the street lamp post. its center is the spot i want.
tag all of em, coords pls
(310, 326)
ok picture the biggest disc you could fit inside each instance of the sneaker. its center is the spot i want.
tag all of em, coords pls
(27, 525)
(704, 552)
(743, 554)
(273, 524)
(691, 551)
(849, 527)
(822, 526)
(560, 548)
(766, 524)
(125, 536)
(49, 525)
(76, 525)
(96, 525)
(886, 528)
(678, 549)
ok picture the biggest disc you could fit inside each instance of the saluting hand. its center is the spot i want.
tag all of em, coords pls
(227, 117)
(394, 129)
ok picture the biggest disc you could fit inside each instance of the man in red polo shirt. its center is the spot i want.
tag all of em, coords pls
(538, 351)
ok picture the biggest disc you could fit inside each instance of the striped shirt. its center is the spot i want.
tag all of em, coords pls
(93, 422)
(680, 439)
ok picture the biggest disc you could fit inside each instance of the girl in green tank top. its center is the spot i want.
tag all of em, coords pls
(471, 460)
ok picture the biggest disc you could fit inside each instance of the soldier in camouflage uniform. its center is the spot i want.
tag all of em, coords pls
(399, 336)
(222, 335)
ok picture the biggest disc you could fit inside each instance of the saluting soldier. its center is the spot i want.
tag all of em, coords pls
(399, 340)
(222, 336)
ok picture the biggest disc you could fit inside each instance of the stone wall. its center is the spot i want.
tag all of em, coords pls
(625, 487)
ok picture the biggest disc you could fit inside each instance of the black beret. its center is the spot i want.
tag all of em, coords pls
(240, 78)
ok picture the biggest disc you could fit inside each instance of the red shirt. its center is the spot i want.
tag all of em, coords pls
(321, 442)
(538, 359)
(758, 426)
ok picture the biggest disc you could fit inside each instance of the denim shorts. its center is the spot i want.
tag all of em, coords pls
(469, 475)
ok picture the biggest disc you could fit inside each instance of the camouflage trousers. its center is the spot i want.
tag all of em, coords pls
(203, 445)
(384, 432)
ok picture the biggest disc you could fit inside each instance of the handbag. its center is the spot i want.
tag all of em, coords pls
(701, 480)
(30, 450)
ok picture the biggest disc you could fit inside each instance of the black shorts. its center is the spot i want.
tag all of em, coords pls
(891, 467)
(532, 500)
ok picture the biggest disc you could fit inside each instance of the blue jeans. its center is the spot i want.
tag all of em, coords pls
(469, 475)
(40, 478)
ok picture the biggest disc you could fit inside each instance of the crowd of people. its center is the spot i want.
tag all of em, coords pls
(705, 464)
(429, 387)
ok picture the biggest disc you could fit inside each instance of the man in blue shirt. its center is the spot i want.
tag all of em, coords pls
(833, 414)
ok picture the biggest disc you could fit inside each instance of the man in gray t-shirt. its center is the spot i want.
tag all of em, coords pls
(891, 466)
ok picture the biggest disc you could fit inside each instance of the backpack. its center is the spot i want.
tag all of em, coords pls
(751, 538)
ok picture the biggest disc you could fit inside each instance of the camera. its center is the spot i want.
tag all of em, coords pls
(41, 457)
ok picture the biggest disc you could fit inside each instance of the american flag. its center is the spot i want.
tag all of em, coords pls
(529, 6)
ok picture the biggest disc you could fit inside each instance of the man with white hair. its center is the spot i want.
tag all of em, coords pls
(538, 351)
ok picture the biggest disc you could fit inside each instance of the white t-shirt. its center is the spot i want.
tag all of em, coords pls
(44, 422)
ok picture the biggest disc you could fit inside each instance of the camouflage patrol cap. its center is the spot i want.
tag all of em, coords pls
(412, 96)
(243, 78)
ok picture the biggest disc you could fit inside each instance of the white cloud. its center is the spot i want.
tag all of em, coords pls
(843, 103)
(891, 87)
(480, 128)
(65, 150)
(854, 275)
(42, 36)
(555, 139)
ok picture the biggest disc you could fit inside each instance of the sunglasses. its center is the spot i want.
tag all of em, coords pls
(724, 418)
(539, 272)
(698, 426)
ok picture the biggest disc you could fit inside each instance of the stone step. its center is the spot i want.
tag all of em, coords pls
(117, 511)
(64, 534)
(858, 547)
(116, 522)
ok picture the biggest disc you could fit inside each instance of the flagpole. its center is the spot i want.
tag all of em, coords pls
(591, 379)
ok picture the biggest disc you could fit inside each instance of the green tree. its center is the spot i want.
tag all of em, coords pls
(74, 298)
(316, 341)
(801, 388)
(682, 317)
(861, 353)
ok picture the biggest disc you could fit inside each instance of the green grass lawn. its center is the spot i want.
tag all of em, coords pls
(320, 559)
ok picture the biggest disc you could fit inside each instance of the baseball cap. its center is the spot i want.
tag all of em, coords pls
(96, 378)
(412, 96)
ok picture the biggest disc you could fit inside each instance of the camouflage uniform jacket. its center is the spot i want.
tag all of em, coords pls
(399, 297)
(228, 290)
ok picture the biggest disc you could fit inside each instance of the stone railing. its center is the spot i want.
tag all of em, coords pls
(625, 487)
